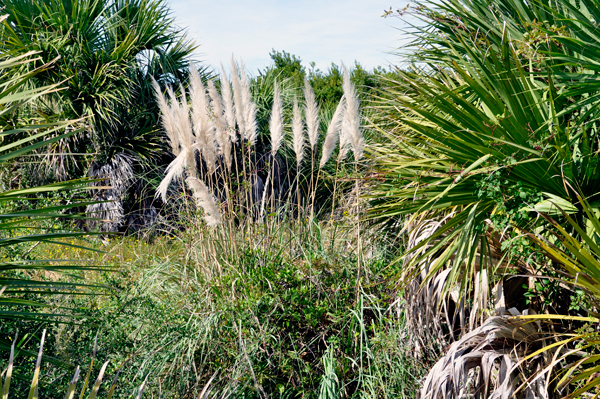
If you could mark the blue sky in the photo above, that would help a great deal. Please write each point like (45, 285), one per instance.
(322, 31)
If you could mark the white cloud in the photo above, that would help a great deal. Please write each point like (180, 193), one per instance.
(322, 31)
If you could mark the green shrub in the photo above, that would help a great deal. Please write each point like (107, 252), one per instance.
(267, 308)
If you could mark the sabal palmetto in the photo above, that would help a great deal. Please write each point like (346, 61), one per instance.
(500, 107)
(576, 251)
(537, 351)
(108, 52)
(21, 226)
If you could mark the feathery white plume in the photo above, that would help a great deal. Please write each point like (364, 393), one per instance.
(351, 121)
(298, 133)
(167, 117)
(203, 129)
(249, 108)
(333, 131)
(216, 105)
(228, 104)
(205, 200)
(344, 142)
(251, 124)
(221, 132)
(199, 101)
(174, 170)
(276, 122)
(184, 126)
(237, 97)
(312, 115)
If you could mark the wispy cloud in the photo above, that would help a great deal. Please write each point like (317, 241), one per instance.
(320, 31)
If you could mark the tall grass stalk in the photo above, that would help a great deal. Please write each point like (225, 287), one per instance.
(240, 115)
(351, 129)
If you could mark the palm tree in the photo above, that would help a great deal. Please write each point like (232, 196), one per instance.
(107, 53)
(497, 113)
(22, 226)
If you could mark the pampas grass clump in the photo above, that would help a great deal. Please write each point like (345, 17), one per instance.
(210, 124)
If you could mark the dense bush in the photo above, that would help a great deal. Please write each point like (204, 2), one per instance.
(264, 309)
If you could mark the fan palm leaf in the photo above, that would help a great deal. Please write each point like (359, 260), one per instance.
(18, 290)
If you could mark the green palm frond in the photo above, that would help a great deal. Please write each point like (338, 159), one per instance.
(478, 110)
(6, 376)
(20, 292)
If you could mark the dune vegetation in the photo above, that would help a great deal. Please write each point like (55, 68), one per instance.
(170, 229)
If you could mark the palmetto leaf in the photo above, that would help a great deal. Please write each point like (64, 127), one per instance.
(474, 107)
(17, 291)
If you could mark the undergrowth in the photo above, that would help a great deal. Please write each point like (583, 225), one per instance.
(256, 310)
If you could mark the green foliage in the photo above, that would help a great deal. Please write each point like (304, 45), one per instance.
(272, 311)
(478, 134)
(72, 388)
(105, 53)
(22, 288)
(496, 121)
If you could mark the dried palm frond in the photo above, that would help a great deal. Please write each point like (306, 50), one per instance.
(312, 115)
(333, 132)
(434, 314)
(117, 174)
(489, 362)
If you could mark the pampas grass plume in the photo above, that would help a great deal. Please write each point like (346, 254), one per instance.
(351, 121)
(174, 171)
(205, 200)
(250, 132)
(205, 138)
(312, 115)
(216, 105)
(200, 115)
(227, 96)
(221, 132)
(333, 132)
(167, 118)
(276, 122)
(181, 113)
(237, 97)
(251, 124)
(298, 133)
